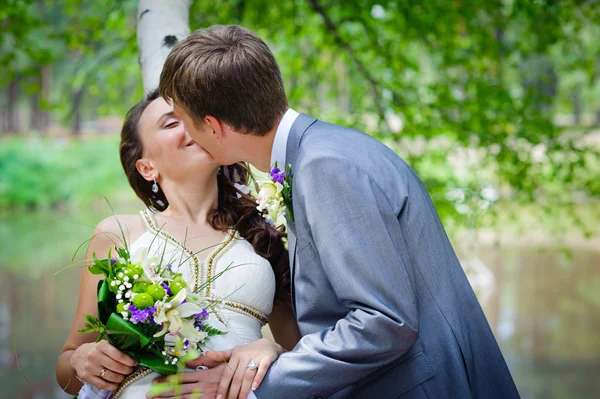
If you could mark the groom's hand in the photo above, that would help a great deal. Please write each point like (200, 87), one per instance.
(205, 361)
(192, 384)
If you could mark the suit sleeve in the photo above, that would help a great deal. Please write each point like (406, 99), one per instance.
(356, 232)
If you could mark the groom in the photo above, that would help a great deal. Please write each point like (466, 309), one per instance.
(381, 300)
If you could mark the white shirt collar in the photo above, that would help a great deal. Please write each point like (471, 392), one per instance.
(278, 153)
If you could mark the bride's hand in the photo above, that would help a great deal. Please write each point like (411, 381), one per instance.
(101, 364)
(238, 378)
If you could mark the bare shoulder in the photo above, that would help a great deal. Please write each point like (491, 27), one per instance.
(115, 227)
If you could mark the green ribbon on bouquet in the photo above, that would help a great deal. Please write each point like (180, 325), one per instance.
(127, 337)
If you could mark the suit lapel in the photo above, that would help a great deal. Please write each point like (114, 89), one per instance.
(291, 238)
(301, 124)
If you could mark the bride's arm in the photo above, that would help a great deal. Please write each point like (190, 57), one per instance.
(283, 325)
(81, 355)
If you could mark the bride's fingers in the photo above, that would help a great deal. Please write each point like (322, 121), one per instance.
(111, 376)
(115, 354)
(246, 383)
(262, 371)
(222, 356)
(238, 378)
(113, 365)
(226, 377)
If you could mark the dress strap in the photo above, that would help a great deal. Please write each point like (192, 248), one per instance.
(148, 219)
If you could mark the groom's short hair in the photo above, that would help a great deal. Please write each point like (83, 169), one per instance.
(227, 72)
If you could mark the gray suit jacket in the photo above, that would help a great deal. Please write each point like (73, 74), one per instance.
(383, 305)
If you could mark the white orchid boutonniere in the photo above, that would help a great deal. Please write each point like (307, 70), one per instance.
(275, 196)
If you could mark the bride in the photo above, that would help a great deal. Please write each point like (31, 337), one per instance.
(194, 203)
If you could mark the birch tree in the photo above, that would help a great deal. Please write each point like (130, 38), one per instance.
(160, 25)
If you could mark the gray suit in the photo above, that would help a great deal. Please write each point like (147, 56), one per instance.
(383, 305)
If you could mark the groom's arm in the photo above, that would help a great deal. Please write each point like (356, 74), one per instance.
(356, 230)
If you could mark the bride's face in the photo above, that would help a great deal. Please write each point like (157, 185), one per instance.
(168, 148)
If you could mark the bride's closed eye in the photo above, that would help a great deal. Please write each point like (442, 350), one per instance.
(172, 123)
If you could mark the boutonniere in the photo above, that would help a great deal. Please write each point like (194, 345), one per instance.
(275, 196)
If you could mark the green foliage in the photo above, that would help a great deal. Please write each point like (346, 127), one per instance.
(93, 325)
(46, 173)
(490, 78)
(211, 331)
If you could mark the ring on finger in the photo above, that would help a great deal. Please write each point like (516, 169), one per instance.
(102, 373)
(252, 365)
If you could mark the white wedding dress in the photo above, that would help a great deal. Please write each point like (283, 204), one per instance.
(244, 294)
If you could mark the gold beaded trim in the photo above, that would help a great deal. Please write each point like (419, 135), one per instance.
(214, 258)
(132, 378)
(240, 308)
(153, 227)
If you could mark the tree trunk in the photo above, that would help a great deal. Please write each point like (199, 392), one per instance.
(40, 119)
(598, 78)
(577, 105)
(160, 25)
(34, 115)
(540, 83)
(45, 83)
(77, 97)
(12, 108)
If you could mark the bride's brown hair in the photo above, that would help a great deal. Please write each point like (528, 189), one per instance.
(235, 209)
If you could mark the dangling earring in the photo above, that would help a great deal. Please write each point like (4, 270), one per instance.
(155, 186)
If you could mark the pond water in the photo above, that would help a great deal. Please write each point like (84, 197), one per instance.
(544, 307)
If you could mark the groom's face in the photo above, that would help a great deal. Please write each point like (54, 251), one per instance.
(205, 136)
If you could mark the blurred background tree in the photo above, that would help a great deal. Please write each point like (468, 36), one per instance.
(487, 100)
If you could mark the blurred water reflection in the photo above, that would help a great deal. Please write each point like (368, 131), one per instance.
(544, 310)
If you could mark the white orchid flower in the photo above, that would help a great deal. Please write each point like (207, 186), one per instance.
(148, 263)
(172, 316)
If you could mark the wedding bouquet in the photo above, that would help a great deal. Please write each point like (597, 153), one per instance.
(147, 311)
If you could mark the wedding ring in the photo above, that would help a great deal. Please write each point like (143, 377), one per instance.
(201, 368)
(102, 373)
(252, 365)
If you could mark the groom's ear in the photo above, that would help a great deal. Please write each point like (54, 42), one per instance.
(146, 169)
(218, 128)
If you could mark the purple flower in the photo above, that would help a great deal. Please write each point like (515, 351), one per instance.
(278, 176)
(142, 315)
(200, 317)
(113, 261)
(167, 288)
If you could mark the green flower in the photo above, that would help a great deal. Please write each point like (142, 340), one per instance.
(177, 286)
(157, 292)
(121, 308)
(143, 301)
(140, 287)
(133, 270)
